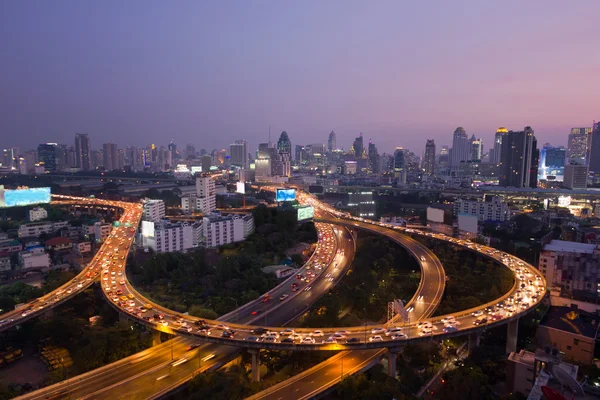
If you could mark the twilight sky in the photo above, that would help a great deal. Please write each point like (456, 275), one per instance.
(209, 72)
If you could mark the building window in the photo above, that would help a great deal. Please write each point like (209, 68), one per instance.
(568, 347)
(576, 342)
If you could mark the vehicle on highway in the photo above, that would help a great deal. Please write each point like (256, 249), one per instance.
(376, 338)
(251, 339)
(329, 340)
(288, 340)
(450, 328)
(377, 330)
(259, 331)
(426, 331)
(266, 298)
(283, 297)
(447, 319)
(477, 313)
(308, 340)
(256, 312)
(422, 258)
(393, 331)
(480, 321)
(317, 333)
(398, 336)
(308, 288)
(193, 346)
(270, 339)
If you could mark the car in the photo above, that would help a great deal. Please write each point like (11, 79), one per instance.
(193, 346)
(270, 339)
(283, 297)
(377, 330)
(272, 334)
(159, 316)
(259, 331)
(393, 331)
(496, 317)
(447, 319)
(450, 328)
(329, 340)
(308, 340)
(376, 338)
(199, 322)
(251, 339)
(288, 340)
(338, 336)
(256, 312)
(398, 336)
(222, 326)
(317, 333)
(287, 331)
(480, 321)
(204, 331)
(164, 323)
(422, 258)
(477, 313)
(353, 341)
(227, 335)
(426, 331)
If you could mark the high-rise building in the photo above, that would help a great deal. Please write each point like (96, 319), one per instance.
(496, 151)
(361, 204)
(576, 176)
(239, 154)
(461, 148)
(154, 210)
(518, 155)
(284, 147)
(47, 156)
(476, 149)
(400, 165)
(444, 157)
(10, 156)
(594, 149)
(219, 156)
(331, 142)
(552, 163)
(173, 151)
(429, 157)
(83, 152)
(373, 158)
(110, 153)
(577, 148)
(357, 147)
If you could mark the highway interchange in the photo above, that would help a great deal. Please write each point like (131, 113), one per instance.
(115, 285)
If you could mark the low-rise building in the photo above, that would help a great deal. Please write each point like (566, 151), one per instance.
(219, 230)
(102, 230)
(34, 258)
(37, 214)
(492, 208)
(73, 232)
(165, 236)
(154, 210)
(58, 243)
(10, 246)
(35, 229)
(571, 265)
(191, 203)
(5, 264)
(572, 331)
(83, 247)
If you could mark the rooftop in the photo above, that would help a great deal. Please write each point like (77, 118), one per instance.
(55, 241)
(571, 247)
(572, 320)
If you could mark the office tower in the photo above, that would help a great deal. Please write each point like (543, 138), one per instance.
(429, 157)
(552, 163)
(173, 151)
(400, 165)
(594, 149)
(373, 158)
(331, 142)
(496, 151)
(71, 157)
(576, 176)
(461, 148)
(357, 147)
(190, 151)
(301, 156)
(206, 162)
(534, 164)
(284, 147)
(31, 158)
(219, 156)
(518, 155)
(362, 204)
(238, 152)
(61, 151)
(110, 154)
(476, 148)
(97, 158)
(47, 156)
(203, 152)
(10, 157)
(83, 152)
(444, 157)
(577, 148)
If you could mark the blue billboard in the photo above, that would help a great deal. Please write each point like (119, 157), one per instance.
(285, 195)
(23, 197)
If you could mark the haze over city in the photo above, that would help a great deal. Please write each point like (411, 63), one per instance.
(209, 73)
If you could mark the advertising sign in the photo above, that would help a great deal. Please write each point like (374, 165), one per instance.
(435, 215)
(285, 195)
(306, 213)
(240, 187)
(23, 197)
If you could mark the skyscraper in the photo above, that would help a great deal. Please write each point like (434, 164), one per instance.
(594, 149)
(10, 156)
(552, 163)
(373, 158)
(284, 147)
(519, 159)
(173, 150)
(444, 157)
(239, 153)
(577, 148)
(357, 147)
(496, 151)
(476, 148)
(110, 154)
(331, 142)
(400, 165)
(47, 155)
(83, 151)
(461, 148)
(429, 157)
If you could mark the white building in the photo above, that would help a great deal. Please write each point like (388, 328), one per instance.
(83, 247)
(219, 230)
(204, 200)
(493, 210)
(164, 236)
(35, 229)
(35, 257)
(37, 214)
(154, 210)
(102, 230)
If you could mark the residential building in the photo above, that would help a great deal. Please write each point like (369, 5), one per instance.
(34, 258)
(577, 146)
(575, 176)
(110, 153)
(83, 152)
(35, 229)
(165, 236)
(373, 158)
(219, 230)
(239, 154)
(572, 331)
(153, 210)
(461, 148)
(571, 266)
(496, 151)
(519, 159)
(204, 200)
(594, 149)
(429, 157)
(492, 208)
(37, 214)
(58, 243)
(83, 247)
(361, 204)
(400, 170)
(102, 231)
(476, 148)
(5, 264)
(10, 246)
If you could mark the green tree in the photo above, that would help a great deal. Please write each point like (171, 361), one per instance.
(467, 383)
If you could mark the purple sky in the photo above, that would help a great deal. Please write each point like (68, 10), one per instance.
(209, 72)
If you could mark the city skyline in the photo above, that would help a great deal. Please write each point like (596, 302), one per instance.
(396, 84)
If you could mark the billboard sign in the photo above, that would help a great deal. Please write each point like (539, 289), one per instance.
(285, 195)
(316, 189)
(435, 215)
(23, 197)
(468, 223)
(306, 213)
(147, 229)
(240, 187)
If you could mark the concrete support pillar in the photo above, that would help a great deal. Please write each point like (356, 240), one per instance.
(511, 336)
(255, 365)
(156, 339)
(391, 360)
(473, 341)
